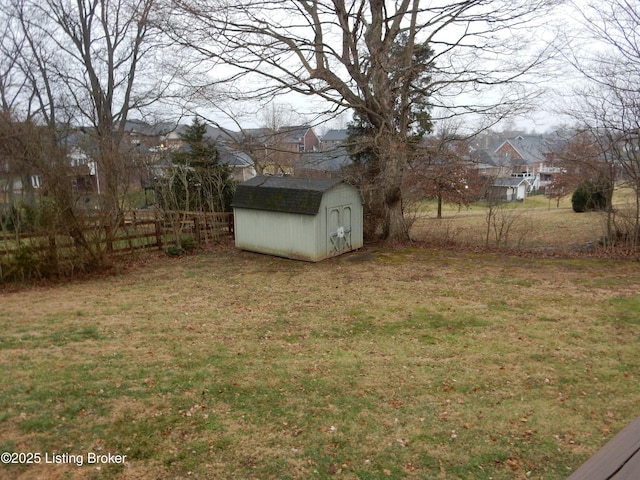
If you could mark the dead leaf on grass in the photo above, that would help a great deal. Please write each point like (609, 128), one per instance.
(513, 464)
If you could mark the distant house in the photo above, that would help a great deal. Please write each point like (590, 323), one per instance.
(299, 138)
(266, 148)
(13, 186)
(158, 169)
(334, 139)
(546, 176)
(298, 218)
(173, 139)
(85, 171)
(509, 189)
(526, 154)
(524, 150)
(529, 157)
(140, 133)
(270, 151)
(241, 164)
(325, 164)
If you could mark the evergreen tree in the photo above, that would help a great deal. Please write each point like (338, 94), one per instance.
(200, 151)
(198, 181)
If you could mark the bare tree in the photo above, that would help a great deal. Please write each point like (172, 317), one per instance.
(443, 170)
(608, 103)
(106, 41)
(388, 62)
(83, 62)
(77, 72)
(276, 116)
(578, 158)
(502, 218)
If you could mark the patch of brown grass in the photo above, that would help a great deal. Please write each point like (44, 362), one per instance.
(535, 225)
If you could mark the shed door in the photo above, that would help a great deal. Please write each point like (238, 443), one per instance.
(338, 230)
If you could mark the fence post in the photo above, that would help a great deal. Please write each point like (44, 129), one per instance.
(108, 231)
(52, 243)
(53, 254)
(196, 228)
(207, 228)
(158, 233)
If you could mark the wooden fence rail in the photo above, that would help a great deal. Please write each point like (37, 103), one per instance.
(138, 230)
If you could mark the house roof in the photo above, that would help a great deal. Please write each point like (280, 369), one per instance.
(336, 135)
(531, 148)
(510, 182)
(283, 194)
(294, 133)
(330, 160)
(143, 128)
(212, 133)
(234, 158)
(254, 135)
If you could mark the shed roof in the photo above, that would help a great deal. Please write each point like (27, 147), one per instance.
(510, 182)
(283, 194)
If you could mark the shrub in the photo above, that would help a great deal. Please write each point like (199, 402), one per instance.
(9, 220)
(186, 245)
(579, 199)
(592, 195)
(27, 263)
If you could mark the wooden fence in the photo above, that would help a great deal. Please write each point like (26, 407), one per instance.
(140, 229)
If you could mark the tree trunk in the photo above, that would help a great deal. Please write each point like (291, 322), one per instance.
(636, 220)
(395, 228)
(394, 158)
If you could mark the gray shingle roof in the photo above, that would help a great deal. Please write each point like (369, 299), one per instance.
(336, 135)
(283, 194)
(331, 160)
(509, 182)
(530, 147)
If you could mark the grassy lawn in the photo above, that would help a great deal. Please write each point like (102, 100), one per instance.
(537, 224)
(409, 363)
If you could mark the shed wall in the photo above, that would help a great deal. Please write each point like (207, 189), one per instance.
(282, 234)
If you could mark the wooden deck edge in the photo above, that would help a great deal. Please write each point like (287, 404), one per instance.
(618, 459)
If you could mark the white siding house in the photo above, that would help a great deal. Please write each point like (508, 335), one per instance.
(299, 218)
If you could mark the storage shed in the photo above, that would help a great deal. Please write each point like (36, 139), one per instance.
(510, 189)
(299, 218)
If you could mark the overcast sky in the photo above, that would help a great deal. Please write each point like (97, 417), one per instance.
(559, 82)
